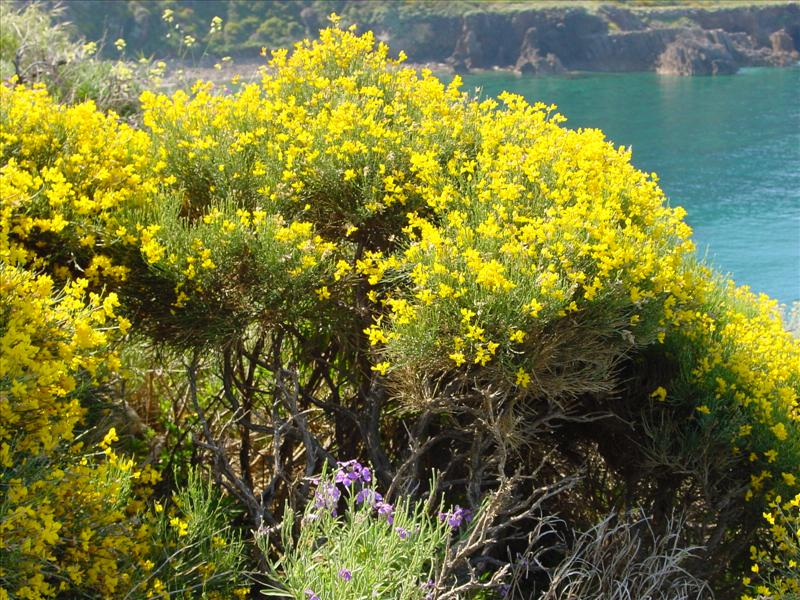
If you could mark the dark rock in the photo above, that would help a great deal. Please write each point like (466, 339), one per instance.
(567, 33)
(531, 61)
(625, 51)
(698, 52)
(783, 49)
(759, 22)
(428, 38)
(487, 40)
(782, 42)
(534, 40)
(467, 48)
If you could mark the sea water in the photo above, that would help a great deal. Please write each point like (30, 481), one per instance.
(725, 148)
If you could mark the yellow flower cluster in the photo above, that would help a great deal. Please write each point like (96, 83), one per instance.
(775, 570)
(749, 365)
(65, 515)
(45, 343)
(66, 171)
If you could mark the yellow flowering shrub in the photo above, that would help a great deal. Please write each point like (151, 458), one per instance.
(775, 569)
(390, 230)
(65, 518)
(73, 518)
(464, 239)
(65, 171)
(742, 365)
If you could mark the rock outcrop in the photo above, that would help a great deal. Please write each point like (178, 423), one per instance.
(783, 48)
(531, 61)
(683, 41)
(699, 52)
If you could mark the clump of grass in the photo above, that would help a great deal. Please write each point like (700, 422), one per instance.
(35, 49)
(623, 557)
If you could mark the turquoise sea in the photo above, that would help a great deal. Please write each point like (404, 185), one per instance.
(727, 149)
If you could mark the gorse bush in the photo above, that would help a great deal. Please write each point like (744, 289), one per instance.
(73, 515)
(63, 515)
(350, 258)
(775, 571)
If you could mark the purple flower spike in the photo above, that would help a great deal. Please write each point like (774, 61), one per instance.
(402, 532)
(311, 595)
(428, 587)
(326, 497)
(345, 574)
(456, 517)
(351, 472)
(387, 510)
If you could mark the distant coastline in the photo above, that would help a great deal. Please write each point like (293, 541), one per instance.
(546, 38)
(682, 37)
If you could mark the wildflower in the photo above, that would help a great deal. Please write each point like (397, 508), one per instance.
(402, 532)
(428, 587)
(456, 517)
(523, 379)
(351, 472)
(385, 510)
(311, 595)
(381, 367)
(327, 497)
(368, 495)
(345, 574)
(780, 431)
(458, 358)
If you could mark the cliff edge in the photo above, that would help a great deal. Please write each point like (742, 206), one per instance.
(533, 39)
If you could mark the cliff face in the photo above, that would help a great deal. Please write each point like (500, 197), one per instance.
(680, 41)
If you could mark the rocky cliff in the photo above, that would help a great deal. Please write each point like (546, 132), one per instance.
(683, 41)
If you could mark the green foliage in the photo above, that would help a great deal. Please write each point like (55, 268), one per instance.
(196, 550)
(370, 549)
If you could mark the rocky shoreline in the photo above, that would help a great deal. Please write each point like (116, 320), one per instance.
(531, 39)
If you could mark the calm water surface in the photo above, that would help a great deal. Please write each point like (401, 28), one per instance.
(727, 149)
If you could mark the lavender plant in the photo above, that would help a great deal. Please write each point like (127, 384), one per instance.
(352, 543)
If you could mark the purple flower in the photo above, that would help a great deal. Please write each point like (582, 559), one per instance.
(326, 497)
(402, 532)
(368, 495)
(345, 574)
(428, 587)
(311, 595)
(351, 472)
(456, 517)
(386, 510)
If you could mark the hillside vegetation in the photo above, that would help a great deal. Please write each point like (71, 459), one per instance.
(252, 24)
